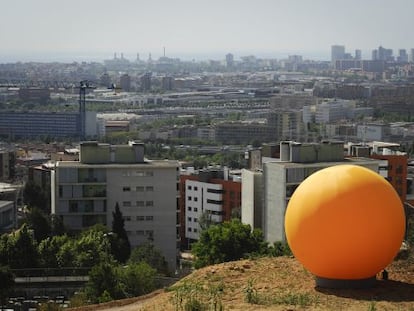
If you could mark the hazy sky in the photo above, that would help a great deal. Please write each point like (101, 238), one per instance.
(203, 26)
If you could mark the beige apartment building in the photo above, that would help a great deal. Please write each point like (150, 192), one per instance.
(85, 192)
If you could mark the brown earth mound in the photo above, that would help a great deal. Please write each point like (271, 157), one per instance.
(273, 284)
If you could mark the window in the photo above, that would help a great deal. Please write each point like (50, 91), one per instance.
(149, 234)
(140, 203)
(149, 218)
(195, 199)
(126, 203)
(189, 187)
(149, 203)
(60, 191)
(189, 198)
(189, 229)
(127, 218)
(195, 230)
(139, 188)
(189, 209)
(140, 218)
(126, 188)
(73, 207)
(149, 188)
(195, 209)
(189, 218)
(214, 202)
(195, 219)
(195, 188)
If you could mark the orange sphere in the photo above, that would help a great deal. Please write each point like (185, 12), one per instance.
(345, 222)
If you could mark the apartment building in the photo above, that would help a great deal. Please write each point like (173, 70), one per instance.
(273, 186)
(85, 192)
(7, 165)
(212, 193)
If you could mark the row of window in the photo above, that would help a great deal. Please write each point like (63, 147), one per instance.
(195, 209)
(189, 229)
(189, 198)
(194, 219)
(138, 188)
(191, 188)
(148, 233)
(139, 218)
(138, 203)
(138, 173)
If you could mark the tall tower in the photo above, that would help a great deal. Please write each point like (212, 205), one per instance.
(337, 53)
(358, 54)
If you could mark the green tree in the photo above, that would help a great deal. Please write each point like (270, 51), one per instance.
(121, 248)
(49, 249)
(149, 254)
(138, 279)
(103, 277)
(34, 196)
(6, 284)
(92, 247)
(228, 241)
(39, 223)
(23, 249)
(57, 226)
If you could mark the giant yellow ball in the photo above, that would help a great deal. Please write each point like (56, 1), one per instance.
(345, 222)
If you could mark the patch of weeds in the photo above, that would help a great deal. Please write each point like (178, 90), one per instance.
(250, 293)
(294, 299)
(193, 296)
(372, 306)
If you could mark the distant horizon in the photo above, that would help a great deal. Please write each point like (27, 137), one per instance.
(197, 56)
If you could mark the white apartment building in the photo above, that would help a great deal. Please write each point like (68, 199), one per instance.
(202, 197)
(332, 111)
(280, 178)
(85, 193)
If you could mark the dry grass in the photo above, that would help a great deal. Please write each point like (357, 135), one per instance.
(276, 284)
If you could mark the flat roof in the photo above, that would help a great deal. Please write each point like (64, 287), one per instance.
(351, 160)
(147, 163)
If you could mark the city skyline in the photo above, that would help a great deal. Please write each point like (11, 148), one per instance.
(94, 30)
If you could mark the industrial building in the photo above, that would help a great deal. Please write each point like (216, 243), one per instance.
(46, 124)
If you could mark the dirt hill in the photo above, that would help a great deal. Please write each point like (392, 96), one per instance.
(273, 284)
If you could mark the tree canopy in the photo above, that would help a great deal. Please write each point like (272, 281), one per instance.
(149, 254)
(121, 248)
(231, 240)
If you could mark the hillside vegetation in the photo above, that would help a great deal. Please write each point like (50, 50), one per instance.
(279, 283)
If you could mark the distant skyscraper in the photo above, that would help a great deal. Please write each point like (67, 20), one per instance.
(412, 56)
(374, 54)
(402, 56)
(337, 53)
(385, 54)
(358, 54)
(125, 82)
(146, 82)
(229, 60)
